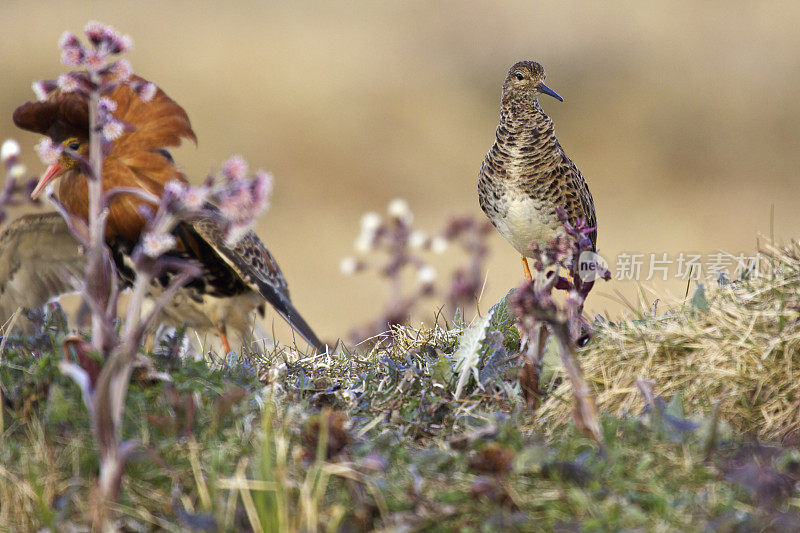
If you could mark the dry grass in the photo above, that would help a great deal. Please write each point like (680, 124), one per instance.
(742, 352)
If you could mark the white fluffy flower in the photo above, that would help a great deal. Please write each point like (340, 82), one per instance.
(348, 265)
(439, 245)
(365, 242)
(18, 171)
(370, 221)
(417, 239)
(426, 275)
(9, 150)
(399, 209)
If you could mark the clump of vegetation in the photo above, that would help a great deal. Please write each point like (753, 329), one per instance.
(734, 348)
(365, 441)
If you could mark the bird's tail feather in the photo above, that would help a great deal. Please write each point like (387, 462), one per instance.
(302, 328)
(284, 307)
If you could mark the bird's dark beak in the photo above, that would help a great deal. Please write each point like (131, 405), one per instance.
(52, 172)
(548, 91)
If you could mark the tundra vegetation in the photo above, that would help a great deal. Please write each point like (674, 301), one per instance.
(524, 416)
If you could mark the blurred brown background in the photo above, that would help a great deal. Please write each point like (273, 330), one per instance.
(684, 116)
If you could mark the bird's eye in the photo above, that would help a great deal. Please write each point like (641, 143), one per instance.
(519, 76)
(166, 154)
(74, 145)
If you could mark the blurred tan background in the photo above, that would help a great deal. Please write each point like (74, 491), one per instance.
(683, 116)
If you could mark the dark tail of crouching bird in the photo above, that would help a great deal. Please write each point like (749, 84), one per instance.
(284, 307)
(256, 267)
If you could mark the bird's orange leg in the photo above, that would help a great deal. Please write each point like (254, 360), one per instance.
(526, 269)
(224, 338)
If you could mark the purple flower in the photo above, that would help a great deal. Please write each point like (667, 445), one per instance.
(43, 88)
(235, 204)
(235, 234)
(146, 91)
(228, 206)
(95, 31)
(174, 191)
(106, 105)
(261, 190)
(48, 151)
(113, 130)
(72, 57)
(68, 40)
(195, 198)
(122, 70)
(68, 83)
(235, 168)
(95, 60)
(156, 244)
(118, 44)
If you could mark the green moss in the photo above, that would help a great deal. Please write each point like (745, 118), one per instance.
(406, 453)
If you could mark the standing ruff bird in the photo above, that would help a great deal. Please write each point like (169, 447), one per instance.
(526, 175)
(234, 281)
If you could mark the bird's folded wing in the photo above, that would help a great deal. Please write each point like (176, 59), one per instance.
(253, 263)
(38, 257)
(583, 205)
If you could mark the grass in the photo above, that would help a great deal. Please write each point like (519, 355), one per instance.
(735, 346)
(376, 439)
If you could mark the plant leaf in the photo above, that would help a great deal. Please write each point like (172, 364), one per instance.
(699, 300)
(467, 356)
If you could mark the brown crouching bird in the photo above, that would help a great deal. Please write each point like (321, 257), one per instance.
(234, 281)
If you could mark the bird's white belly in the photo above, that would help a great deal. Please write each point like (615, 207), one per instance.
(526, 223)
(209, 314)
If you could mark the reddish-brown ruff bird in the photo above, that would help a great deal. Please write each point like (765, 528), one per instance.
(234, 280)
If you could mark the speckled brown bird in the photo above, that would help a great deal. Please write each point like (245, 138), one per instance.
(526, 175)
(234, 280)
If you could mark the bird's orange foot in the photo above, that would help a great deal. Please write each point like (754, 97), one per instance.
(526, 269)
(224, 338)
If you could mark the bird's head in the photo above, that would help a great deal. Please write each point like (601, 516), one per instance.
(524, 82)
(65, 163)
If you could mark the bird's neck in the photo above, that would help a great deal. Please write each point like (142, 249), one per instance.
(124, 218)
(526, 128)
